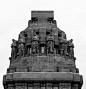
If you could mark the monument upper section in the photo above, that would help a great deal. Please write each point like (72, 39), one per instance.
(42, 57)
(42, 42)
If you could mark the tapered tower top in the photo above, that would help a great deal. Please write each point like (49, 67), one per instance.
(42, 14)
(42, 57)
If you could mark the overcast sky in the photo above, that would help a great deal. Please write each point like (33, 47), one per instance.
(70, 16)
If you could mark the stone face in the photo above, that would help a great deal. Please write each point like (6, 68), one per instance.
(42, 57)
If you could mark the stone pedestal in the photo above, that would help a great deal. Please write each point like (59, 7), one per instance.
(36, 85)
(11, 86)
(56, 86)
(49, 86)
(43, 80)
(30, 86)
(42, 86)
(64, 85)
(75, 86)
(5, 87)
(20, 86)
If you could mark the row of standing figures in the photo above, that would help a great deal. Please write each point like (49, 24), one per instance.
(64, 48)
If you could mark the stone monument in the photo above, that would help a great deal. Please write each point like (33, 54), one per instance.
(42, 57)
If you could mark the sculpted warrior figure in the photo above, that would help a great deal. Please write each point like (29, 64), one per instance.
(50, 44)
(71, 48)
(14, 49)
(28, 44)
(21, 51)
(34, 45)
(50, 47)
(22, 37)
(63, 43)
(21, 44)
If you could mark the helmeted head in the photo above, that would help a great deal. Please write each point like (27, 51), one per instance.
(71, 40)
(13, 40)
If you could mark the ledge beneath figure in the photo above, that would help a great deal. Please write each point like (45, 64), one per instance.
(43, 76)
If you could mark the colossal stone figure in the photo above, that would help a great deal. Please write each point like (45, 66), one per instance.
(21, 49)
(28, 46)
(14, 49)
(34, 45)
(22, 37)
(50, 44)
(63, 43)
(71, 48)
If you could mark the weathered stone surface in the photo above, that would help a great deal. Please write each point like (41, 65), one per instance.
(42, 57)
(41, 76)
(30, 86)
(11, 86)
(20, 85)
(43, 63)
(64, 85)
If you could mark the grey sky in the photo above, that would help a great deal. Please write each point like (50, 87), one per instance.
(70, 16)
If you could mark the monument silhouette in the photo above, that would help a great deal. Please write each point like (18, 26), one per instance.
(42, 57)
